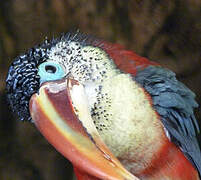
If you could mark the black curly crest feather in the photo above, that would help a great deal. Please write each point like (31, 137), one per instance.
(22, 80)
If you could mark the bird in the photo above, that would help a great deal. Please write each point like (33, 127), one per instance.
(112, 113)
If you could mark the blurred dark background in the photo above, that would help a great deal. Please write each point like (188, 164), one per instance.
(166, 31)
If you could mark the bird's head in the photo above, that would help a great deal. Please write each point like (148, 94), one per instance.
(57, 86)
(72, 55)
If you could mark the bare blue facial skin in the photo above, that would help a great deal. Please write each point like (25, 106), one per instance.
(50, 71)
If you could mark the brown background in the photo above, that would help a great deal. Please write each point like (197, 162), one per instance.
(167, 31)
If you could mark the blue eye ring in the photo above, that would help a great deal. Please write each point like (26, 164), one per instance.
(50, 71)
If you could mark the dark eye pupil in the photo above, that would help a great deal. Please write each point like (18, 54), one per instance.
(50, 69)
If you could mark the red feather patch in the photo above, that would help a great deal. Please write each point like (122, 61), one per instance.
(126, 61)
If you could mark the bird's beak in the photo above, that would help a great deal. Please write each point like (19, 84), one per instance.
(61, 113)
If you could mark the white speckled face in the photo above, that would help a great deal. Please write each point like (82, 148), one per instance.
(89, 65)
(83, 63)
(66, 54)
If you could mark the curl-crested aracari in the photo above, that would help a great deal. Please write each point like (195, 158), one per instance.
(113, 114)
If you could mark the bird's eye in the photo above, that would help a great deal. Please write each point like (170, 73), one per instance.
(50, 71)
